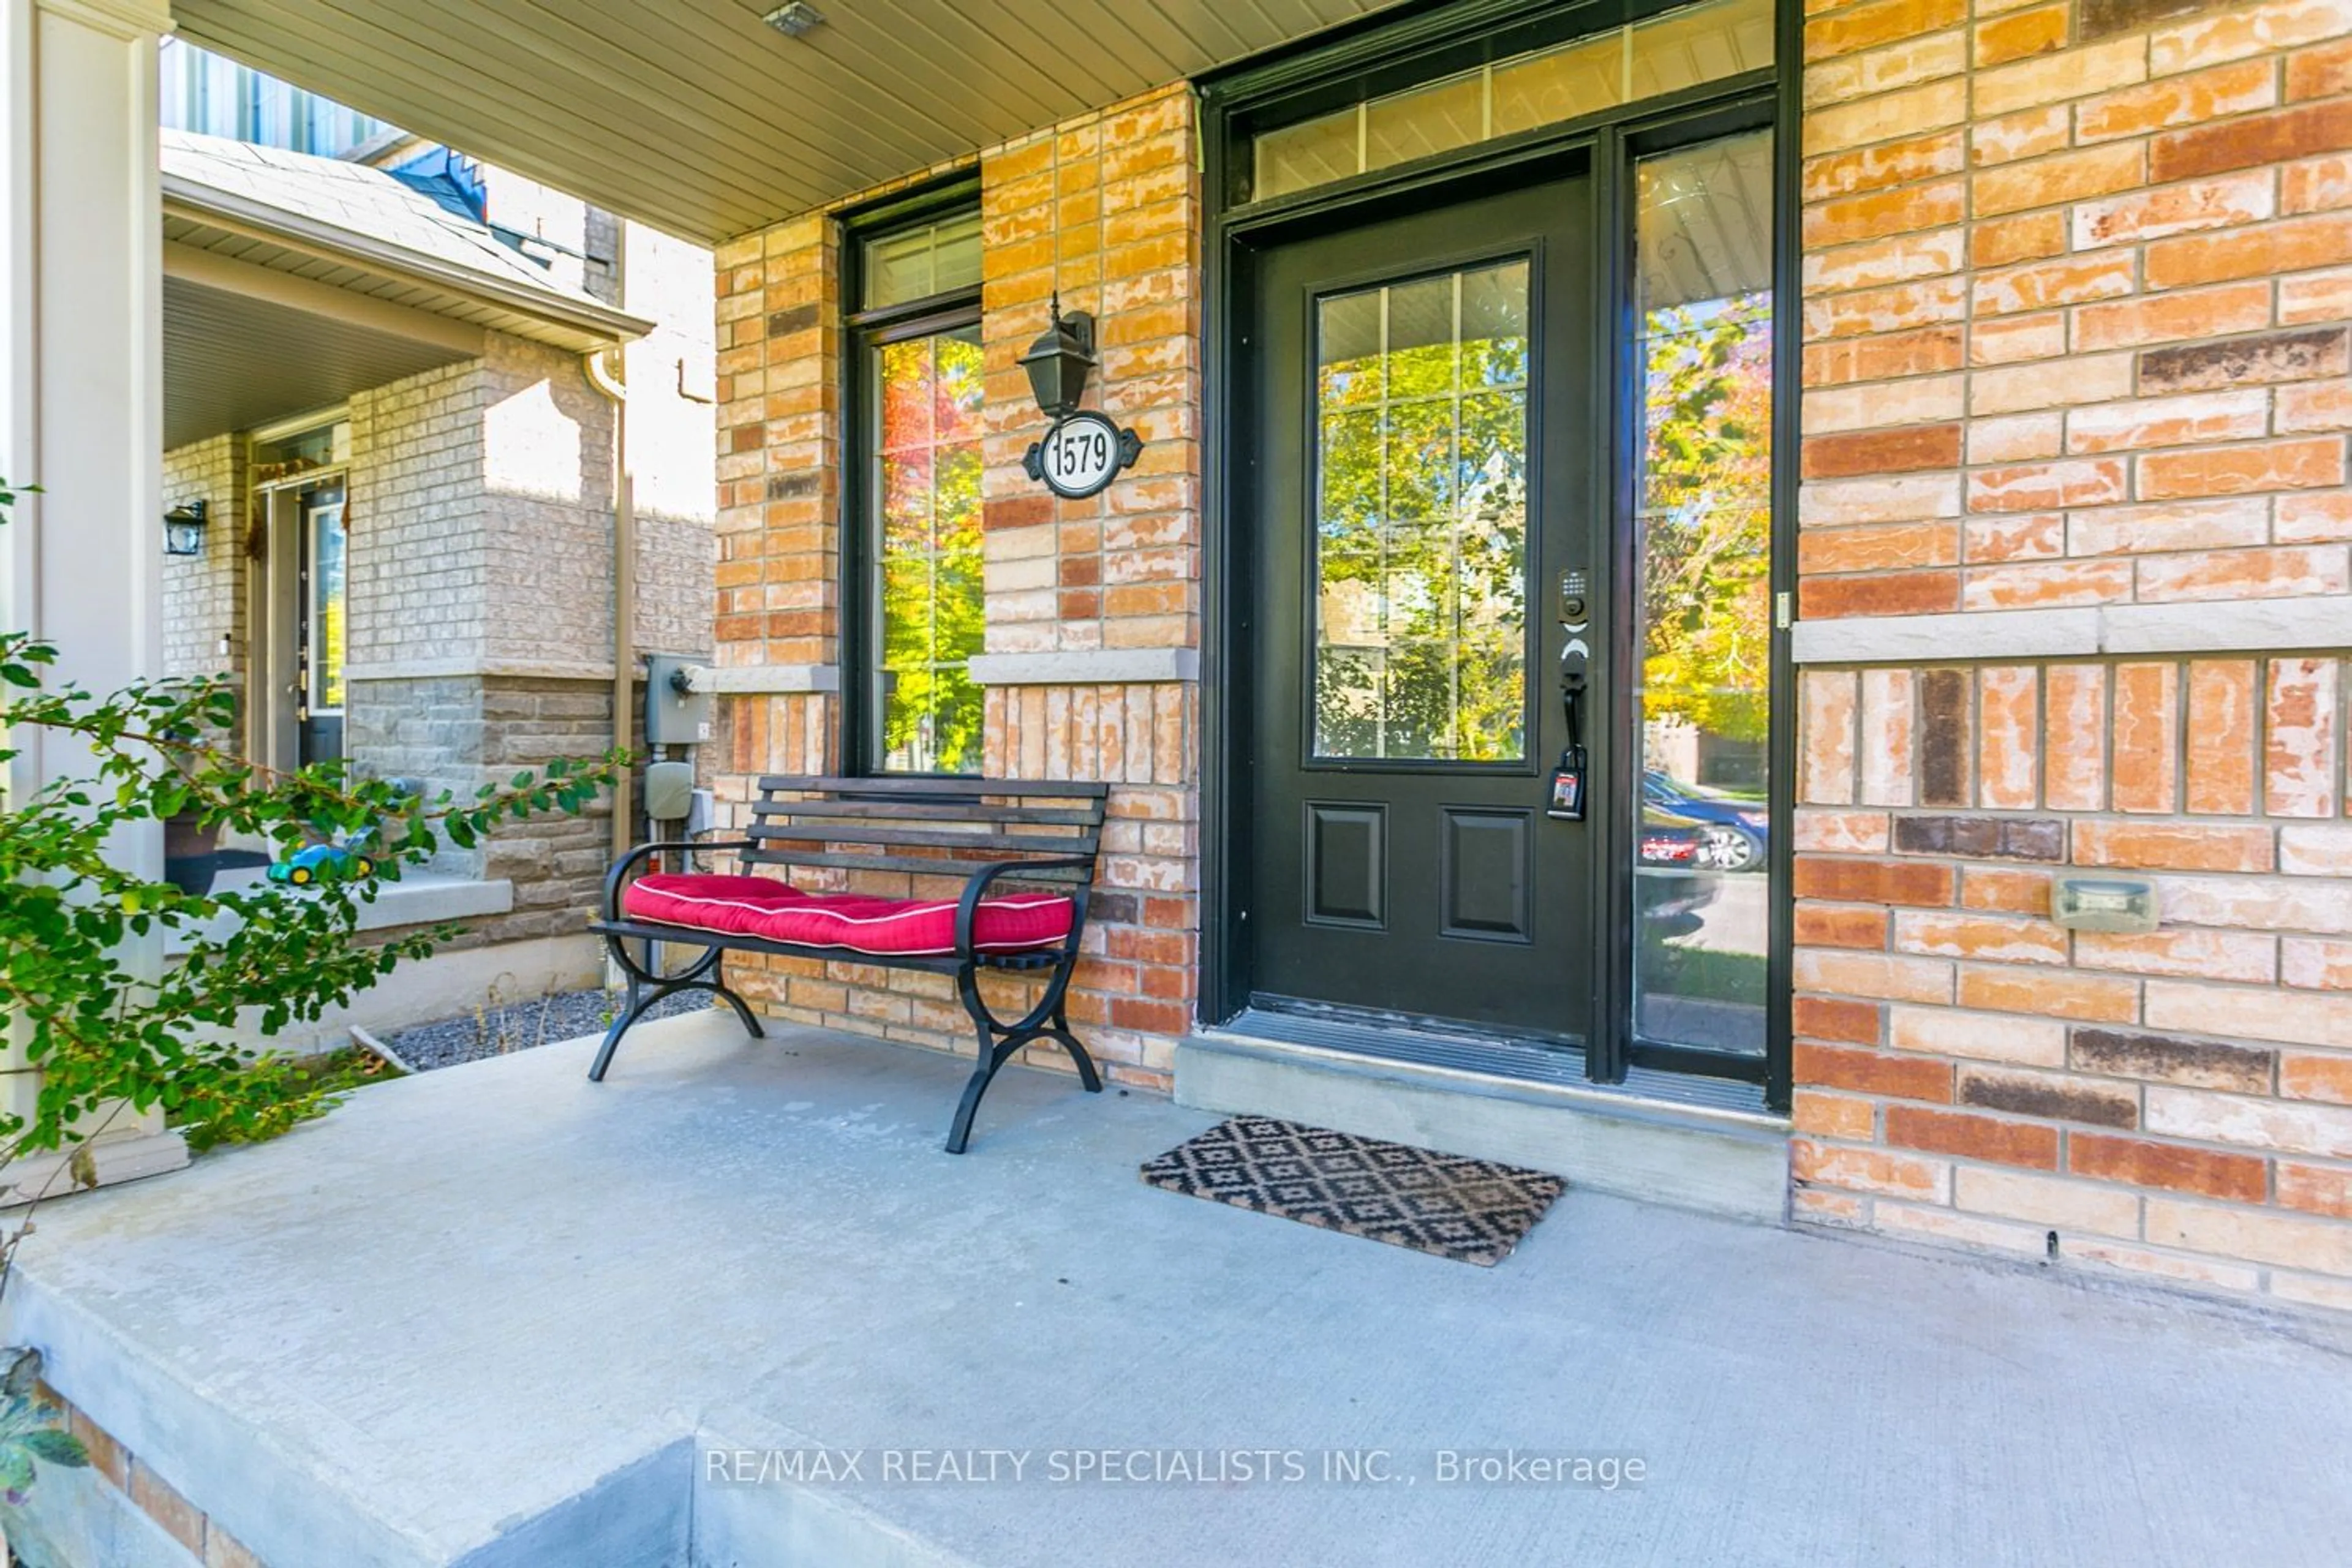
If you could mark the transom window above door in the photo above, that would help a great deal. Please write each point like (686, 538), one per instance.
(1601, 71)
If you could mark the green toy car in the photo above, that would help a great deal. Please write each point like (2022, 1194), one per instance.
(320, 860)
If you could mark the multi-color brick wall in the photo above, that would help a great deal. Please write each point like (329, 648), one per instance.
(2075, 587)
(1104, 209)
(2074, 600)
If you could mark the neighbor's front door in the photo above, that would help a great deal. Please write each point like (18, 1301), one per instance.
(1427, 518)
(321, 624)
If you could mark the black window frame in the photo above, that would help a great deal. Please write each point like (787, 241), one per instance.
(865, 331)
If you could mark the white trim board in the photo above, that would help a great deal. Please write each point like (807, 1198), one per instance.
(2243, 626)
(1089, 667)
(487, 668)
(760, 679)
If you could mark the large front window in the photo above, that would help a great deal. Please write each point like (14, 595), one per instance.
(926, 469)
(918, 582)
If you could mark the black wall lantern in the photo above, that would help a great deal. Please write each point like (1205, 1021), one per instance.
(184, 529)
(1083, 452)
(1059, 362)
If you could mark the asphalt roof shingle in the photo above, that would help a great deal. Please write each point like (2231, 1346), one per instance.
(363, 201)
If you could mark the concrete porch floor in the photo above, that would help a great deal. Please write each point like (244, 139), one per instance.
(497, 1315)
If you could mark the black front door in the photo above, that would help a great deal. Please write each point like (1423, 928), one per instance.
(1425, 550)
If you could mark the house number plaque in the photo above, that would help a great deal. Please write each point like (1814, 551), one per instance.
(1081, 455)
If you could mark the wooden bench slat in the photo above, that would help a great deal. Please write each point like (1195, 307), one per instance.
(838, 832)
(959, 869)
(932, 784)
(929, 811)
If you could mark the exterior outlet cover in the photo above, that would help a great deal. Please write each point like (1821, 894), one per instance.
(675, 715)
(2104, 904)
(669, 791)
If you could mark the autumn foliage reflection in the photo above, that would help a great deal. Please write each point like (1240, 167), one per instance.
(930, 548)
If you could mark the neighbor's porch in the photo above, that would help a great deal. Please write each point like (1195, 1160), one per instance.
(332, 1350)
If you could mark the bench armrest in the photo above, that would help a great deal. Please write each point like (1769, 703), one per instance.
(618, 877)
(968, 907)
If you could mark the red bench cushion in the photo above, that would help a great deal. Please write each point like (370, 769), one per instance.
(765, 908)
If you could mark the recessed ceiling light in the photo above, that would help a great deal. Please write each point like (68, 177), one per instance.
(794, 18)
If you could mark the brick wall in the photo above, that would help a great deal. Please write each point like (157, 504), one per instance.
(427, 728)
(2075, 318)
(203, 595)
(547, 512)
(206, 1539)
(2177, 1102)
(1104, 208)
(419, 570)
(555, 862)
(2077, 278)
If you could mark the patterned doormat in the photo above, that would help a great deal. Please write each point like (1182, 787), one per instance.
(1475, 1210)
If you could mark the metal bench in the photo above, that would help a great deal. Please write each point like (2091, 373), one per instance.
(841, 837)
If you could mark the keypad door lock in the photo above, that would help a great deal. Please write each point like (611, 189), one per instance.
(1573, 590)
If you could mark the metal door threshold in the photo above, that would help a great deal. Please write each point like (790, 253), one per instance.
(1495, 1056)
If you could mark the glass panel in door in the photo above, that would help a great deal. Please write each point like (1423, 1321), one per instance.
(324, 620)
(1702, 708)
(1422, 519)
(324, 655)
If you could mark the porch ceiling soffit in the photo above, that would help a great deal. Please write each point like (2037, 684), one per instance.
(234, 359)
(696, 118)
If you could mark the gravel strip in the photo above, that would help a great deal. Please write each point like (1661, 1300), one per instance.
(519, 1026)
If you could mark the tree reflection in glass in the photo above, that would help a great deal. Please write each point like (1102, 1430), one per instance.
(1421, 519)
(928, 546)
(1704, 551)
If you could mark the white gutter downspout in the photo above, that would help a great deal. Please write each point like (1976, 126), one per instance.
(603, 377)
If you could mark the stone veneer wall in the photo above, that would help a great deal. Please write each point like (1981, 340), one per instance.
(2076, 283)
(457, 733)
(1105, 207)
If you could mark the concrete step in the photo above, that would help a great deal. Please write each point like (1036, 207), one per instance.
(1718, 1160)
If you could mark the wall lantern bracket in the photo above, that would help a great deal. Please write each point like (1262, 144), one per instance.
(1083, 452)
(183, 528)
(1060, 361)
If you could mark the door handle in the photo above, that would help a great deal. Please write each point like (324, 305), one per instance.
(1566, 798)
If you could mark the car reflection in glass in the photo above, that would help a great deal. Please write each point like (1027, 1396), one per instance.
(1669, 906)
(1732, 832)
